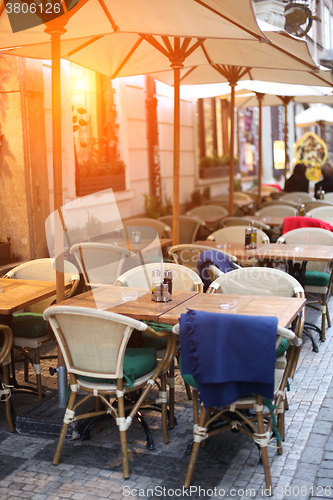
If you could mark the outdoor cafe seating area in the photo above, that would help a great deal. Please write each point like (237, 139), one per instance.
(122, 334)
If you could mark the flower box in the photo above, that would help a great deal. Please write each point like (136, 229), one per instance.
(89, 185)
(212, 172)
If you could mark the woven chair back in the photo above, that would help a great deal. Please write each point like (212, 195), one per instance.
(323, 213)
(163, 230)
(183, 278)
(297, 196)
(92, 342)
(188, 227)
(310, 205)
(100, 263)
(309, 236)
(235, 234)
(277, 211)
(188, 255)
(258, 281)
(243, 221)
(44, 270)
(207, 210)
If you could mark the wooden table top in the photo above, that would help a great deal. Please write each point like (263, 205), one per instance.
(143, 308)
(18, 294)
(271, 221)
(275, 251)
(284, 308)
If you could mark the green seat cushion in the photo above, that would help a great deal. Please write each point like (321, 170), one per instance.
(282, 348)
(29, 325)
(316, 278)
(188, 379)
(148, 341)
(137, 362)
(153, 342)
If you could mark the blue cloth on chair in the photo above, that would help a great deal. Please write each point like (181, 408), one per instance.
(209, 257)
(228, 355)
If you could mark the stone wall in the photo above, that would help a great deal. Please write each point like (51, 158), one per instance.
(23, 170)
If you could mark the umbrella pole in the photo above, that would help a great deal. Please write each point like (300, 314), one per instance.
(176, 156)
(57, 195)
(232, 132)
(285, 100)
(260, 98)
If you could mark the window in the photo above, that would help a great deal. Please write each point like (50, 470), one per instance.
(212, 121)
(95, 131)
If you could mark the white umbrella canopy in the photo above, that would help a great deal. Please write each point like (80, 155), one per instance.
(315, 115)
(89, 20)
(139, 40)
(214, 60)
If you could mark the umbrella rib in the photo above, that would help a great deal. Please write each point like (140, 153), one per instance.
(2, 8)
(108, 15)
(150, 39)
(124, 61)
(258, 37)
(84, 45)
(198, 43)
(188, 72)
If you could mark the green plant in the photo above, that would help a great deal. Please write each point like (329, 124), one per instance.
(154, 208)
(216, 161)
(206, 194)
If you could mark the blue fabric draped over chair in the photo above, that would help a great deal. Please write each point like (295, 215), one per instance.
(215, 258)
(228, 355)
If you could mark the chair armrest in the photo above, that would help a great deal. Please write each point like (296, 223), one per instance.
(8, 342)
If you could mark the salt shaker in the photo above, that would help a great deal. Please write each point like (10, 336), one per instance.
(156, 280)
(165, 292)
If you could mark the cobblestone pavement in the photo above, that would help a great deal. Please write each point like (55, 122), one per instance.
(226, 468)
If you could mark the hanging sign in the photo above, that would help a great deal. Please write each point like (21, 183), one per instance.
(312, 151)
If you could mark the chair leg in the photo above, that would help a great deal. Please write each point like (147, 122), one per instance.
(164, 408)
(195, 449)
(26, 368)
(38, 374)
(328, 316)
(9, 417)
(171, 383)
(123, 440)
(263, 450)
(64, 428)
(323, 308)
(188, 391)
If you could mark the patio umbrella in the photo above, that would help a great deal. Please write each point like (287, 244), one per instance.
(265, 63)
(227, 19)
(320, 114)
(231, 19)
(258, 94)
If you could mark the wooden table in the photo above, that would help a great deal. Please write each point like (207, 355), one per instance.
(271, 221)
(275, 251)
(18, 294)
(110, 298)
(284, 308)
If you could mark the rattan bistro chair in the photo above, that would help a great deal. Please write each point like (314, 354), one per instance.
(5, 350)
(188, 255)
(29, 327)
(183, 278)
(323, 213)
(94, 347)
(297, 196)
(163, 230)
(188, 227)
(252, 354)
(318, 275)
(277, 211)
(100, 263)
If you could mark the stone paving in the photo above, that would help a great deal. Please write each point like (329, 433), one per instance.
(226, 468)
